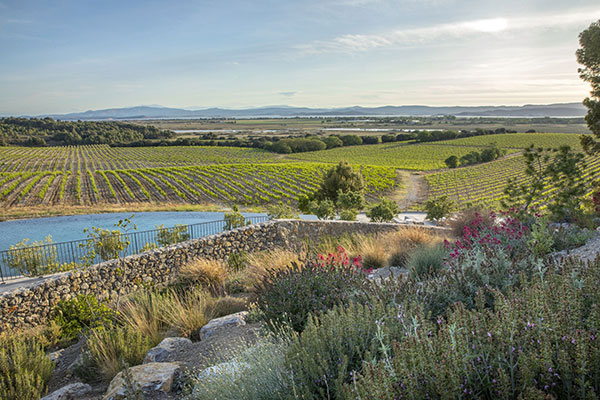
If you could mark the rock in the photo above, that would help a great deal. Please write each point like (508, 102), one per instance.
(230, 368)
(165, 348)
(54, 356)
(70, 392)
(236, 319)
(386, 272)
(147, 378)
(77, 363)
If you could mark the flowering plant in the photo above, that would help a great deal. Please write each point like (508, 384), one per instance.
(341, 260)
(506, 232)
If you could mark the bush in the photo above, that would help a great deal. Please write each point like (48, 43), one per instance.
(110, 350)
(24, 368)
(234, 219)
(281, 211)
(468, 217)
(33, 259)
(539, 341)
(334, 347)
(262, 376)
(286, 297)
(333, 142)
(384, 211)
(81, 313)
(348, 215)
(351, 140)
(438, 208)
(105, 243)
(570, 237)
(451, 162)
(166, 236)
(541, 241)
(426, 261)
(186, 313)
(340, 179)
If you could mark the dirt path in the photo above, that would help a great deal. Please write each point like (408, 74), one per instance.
(413, 190)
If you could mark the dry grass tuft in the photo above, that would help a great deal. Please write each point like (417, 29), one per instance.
(259, 263)
(187, 313)
(229, 305)
(207, 273)
(142, 312)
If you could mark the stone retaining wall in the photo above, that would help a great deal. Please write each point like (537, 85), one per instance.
(32, 304)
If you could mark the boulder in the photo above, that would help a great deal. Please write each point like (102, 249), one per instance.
(148, 378)
(165, 348)
(227, 321)
(70, 392)
(386, 272)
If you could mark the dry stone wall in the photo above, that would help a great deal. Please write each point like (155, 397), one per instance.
(32, 304)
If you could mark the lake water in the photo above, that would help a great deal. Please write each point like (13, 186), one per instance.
(71, 227)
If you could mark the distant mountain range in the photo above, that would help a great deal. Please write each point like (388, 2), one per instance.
(152, 112)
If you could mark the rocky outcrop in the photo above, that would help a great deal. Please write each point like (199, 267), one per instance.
(227, 321)
(166, 348)
(73, 391)
(145, 379)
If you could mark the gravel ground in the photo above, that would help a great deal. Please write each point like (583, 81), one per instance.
(587, 252)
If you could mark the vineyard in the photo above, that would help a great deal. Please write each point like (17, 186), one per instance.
(485, 183)
(88, 175)
(416, 157)
(519, 140)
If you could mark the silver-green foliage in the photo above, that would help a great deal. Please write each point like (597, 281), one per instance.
(260, 374)
(33, 259)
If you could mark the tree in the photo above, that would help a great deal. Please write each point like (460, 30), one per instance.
(438, 208)
(333, 141)
(563, 168)
(384, 211)
(589, 56)
(451, 162)
(342, 178)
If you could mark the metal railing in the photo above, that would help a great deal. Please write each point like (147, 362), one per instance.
(55, 257)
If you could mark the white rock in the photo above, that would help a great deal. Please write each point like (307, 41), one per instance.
(232, 320)
(148, 378)
(165, 348)
(70, 392)
(386, 272)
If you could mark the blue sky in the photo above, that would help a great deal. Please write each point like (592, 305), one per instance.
(64, 56)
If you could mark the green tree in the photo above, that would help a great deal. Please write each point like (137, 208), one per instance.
(234, 219)
(438, 208)
(340, 179)
(588, 55)
(384, 211)
(451, 162)
(166, 236)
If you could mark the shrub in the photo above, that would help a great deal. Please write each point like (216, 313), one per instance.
(259, 263)
(166, 236)
(340, 179)
(541, 241)
(237, 261)
(570, 237)
(110, 350)
(335, 346)
(286, 297)
(81, 313)
(351, 140)
(208, 273)
(24, 368)
(33, 259)
(467, 217)
(348, 215)
(384, 211)
(105, 243)
(438, 208)
(426, 260)
(262, 376)
(234, 219)
(333, 141)
(451, 162)
(281, 211)
(539, 341)
(374, 252)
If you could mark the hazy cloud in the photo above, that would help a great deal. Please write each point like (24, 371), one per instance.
(288, 94)
(407, 37)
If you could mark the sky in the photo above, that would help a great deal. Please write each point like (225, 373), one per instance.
(67, 56)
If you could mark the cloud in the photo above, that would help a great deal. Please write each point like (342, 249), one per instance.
(351, 43)
(288, 94)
